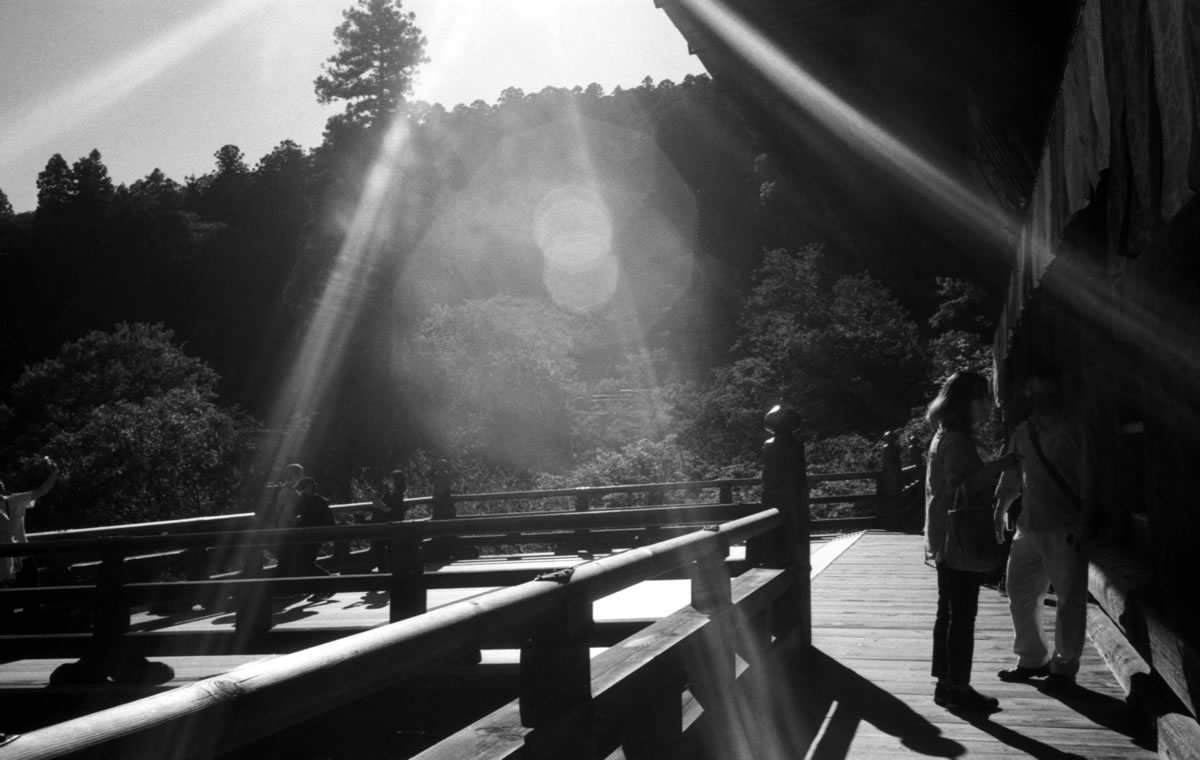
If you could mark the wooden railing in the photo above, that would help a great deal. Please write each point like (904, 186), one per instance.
(767, 609)
(128, 551)
(569, 704)
(583, 499)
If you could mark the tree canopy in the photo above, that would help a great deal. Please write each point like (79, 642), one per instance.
(726, 285)
(380, 49)
(135, 424)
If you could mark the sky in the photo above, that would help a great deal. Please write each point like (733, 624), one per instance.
(154, 84)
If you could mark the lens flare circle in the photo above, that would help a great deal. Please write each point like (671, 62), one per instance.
(573, 229)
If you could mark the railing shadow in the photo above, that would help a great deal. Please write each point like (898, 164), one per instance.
(1109, 712)
(1019, 741)
(834, 701)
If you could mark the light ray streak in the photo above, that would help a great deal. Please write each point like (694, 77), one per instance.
(453, 32)
(1088, 290)
(342, 298)
(846, 123)
(1166, 341)
(108, 86)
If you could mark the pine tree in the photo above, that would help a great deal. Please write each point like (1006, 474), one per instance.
(379, 50)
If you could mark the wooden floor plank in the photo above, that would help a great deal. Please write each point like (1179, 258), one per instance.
(873, 613)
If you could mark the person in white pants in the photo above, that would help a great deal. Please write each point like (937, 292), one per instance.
(1049, 547)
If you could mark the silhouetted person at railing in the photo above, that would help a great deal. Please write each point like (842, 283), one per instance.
(312, 511)
(13, 506)
(277, 510)
(385, 508)
(442, 507)
(963, 402)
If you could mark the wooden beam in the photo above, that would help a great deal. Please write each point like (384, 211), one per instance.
(623, 676)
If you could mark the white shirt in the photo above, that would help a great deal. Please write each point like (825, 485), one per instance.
(12, 530)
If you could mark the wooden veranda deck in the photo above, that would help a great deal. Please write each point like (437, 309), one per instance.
(863, 691)
(867, 692)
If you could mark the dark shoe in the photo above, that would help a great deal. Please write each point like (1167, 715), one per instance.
(940, 694)
(1021, 674)
(968, 700)
(1060, 681)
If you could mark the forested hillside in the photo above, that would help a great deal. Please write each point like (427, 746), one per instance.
(569, 284)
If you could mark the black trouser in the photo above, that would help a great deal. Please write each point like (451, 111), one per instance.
(379, 556)
(302, 561)
(954, 629)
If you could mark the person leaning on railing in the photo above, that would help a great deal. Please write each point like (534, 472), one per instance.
(312, 511)
(385, 508)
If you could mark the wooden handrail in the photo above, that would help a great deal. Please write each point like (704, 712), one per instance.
(831, 477)
(209, 523)
(525, 522)
(235, 521)
(605, 490)
(255, 700)
(224, 522)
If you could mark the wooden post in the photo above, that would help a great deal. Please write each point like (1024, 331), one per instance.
(441, 508)
(725, 494)
(195, 563)
(110, 619)
(711, 658)
(254, 610)
(556, 685)
(889, 502)
(407, 589)
(916, 454)
(710, 583)
(785, 487)
(581, 538)
(105, 657)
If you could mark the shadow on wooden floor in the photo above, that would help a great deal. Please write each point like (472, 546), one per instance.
(835, 700)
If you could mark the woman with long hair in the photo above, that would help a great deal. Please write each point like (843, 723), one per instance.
(962, 404)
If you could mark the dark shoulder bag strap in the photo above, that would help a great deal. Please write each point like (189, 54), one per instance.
(1059, 480)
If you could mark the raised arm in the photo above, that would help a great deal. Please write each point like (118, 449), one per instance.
(48, 484)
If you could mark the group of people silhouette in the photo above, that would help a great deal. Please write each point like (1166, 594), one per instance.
(294, 502)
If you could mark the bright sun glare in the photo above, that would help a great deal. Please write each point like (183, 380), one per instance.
(111, 83)
(536, 10)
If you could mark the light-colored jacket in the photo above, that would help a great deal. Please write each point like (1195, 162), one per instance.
(1044, 504)
(952, 459)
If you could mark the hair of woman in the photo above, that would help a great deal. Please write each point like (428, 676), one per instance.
(952, 407)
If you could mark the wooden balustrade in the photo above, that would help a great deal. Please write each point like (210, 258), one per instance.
(227, 711)
(633, 691)
(159, 541)
(113, 596)
(567, 700)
